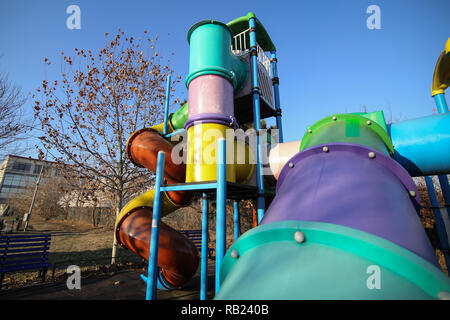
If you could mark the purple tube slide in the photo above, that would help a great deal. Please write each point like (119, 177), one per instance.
(354, 186)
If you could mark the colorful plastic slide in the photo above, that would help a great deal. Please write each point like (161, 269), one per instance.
(344, 210)
(178, 257)
(344, 222)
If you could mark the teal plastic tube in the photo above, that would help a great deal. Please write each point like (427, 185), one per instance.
(422, 145)
(210, 53)
(297, 260)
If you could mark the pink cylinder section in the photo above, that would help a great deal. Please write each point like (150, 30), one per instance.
(210, 94)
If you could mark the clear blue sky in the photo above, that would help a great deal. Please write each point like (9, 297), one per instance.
(329, 61)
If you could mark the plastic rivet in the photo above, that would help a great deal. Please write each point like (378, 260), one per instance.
(291, 165)
(334, 118)
(444, 295)
(309, 130)
(299, 236)
(325, 149)
(234, 254)
(369, 122)
(371, 155)
(412, 193)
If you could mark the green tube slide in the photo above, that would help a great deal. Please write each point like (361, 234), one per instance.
(178, 118)
(368, 129)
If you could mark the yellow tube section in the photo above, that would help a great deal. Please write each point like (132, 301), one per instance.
(146, 200)
(202, 154)
(244, 158)
(160, 128)
(441, 76)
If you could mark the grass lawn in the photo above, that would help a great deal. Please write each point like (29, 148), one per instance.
(74, 243)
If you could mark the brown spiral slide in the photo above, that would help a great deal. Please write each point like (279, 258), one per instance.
(178, 257)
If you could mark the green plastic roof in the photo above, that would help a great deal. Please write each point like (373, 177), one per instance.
(262, 37)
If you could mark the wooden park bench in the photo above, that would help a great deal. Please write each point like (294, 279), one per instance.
(24, 252)
(196, 237)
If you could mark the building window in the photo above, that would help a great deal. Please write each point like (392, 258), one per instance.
(21, 166)
(37, 168)
(15, 180)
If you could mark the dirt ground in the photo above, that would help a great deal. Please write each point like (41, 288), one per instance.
(74, 243)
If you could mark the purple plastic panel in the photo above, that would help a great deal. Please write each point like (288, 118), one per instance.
(210, 94)
(343, 185)
(211, 118)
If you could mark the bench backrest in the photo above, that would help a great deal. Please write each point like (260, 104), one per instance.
(195, 236)
(24, 251)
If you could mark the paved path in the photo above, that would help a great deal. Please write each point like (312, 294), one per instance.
(123, 285)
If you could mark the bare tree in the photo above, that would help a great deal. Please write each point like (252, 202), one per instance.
(12, 125)
(101, 98)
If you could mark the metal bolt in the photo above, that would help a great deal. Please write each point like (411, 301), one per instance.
(334, 118)
(371, 155)
(234, 254)
(291, 165)
(299, 236)
(325, 149)
(369, 122)
(309, 130)
(412, 193)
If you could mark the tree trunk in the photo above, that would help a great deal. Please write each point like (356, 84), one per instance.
(119, 207)
(93, 216)
(115, 245)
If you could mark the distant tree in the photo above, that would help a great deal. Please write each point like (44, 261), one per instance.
(12, 125)
(101, 98)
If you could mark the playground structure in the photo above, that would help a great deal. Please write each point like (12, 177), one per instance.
(344, 202)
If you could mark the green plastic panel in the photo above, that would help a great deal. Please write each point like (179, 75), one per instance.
(334, 262)
(348, 128)
(262, 37)
(178, 118)
(377, 116)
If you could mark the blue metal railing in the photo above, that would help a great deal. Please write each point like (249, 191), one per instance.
(257, 120)
(276, 94)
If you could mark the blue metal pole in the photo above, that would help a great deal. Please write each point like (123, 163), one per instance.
(440, 227)
(166, 107)
(443, 181)
(236, 219)
(154, 238)
(276, 94)
(220, 208)
(204, 262)
(257, 119)
(441, 104)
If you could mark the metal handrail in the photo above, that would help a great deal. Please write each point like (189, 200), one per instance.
(241, 45)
